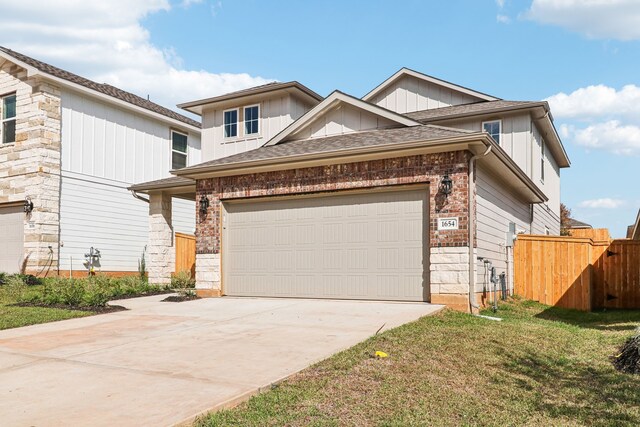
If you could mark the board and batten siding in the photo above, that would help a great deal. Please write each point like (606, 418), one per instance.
(409, 94)
(496, 207)
(104, 150)
(276, 113)
(343, 119)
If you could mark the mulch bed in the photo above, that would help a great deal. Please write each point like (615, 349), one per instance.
(180, 298)
(147, 294)
(628, 360)
(99, 310)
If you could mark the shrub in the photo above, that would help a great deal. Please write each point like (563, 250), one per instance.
(182, 282)
(3, 278)
(15, 287)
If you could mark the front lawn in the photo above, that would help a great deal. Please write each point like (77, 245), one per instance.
(539, 366)
(23, 303)
(12, 316)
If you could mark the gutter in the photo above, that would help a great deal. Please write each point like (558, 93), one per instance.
(471, 227)
(139, 197)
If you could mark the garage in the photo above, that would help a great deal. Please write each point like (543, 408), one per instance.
(368, 245)
(12, 241)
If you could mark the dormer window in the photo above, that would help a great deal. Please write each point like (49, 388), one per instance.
(231, 123)
(493, 128)
(251, 120)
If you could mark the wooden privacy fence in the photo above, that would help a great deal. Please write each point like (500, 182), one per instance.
(185, 253)
(578, 272)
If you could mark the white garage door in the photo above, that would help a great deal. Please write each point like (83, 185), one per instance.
(352, 246)
(11, 238)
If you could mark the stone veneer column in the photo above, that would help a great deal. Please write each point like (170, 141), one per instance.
(449, 277)
(208, 282)
(162, 253)
(30, 167)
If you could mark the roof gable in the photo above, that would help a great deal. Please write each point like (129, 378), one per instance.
(465, 94)
(341, 113)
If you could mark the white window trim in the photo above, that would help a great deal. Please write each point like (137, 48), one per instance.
(244, 117)
(238, 122)
(499, 121)
(2, 121)
(186, 153)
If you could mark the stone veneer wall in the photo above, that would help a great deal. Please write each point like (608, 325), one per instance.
(31, 166)
(449, 264)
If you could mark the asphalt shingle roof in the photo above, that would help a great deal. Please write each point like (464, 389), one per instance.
(379, 137)
(174, 181)
(474, 108)
(103, 88)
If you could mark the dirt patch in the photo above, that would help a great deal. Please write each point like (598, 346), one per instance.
(97, 310)
(180, 298)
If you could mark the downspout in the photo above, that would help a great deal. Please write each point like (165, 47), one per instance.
(139, 197)
(471, 227)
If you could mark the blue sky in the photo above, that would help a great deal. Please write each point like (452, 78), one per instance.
(583, 56)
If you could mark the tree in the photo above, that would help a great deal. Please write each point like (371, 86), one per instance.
(565, 218)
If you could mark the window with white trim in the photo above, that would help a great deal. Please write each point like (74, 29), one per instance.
(231, 123)
(8, 118)
(178, 150)
(251, 120)
(493, 128)
(542, 160)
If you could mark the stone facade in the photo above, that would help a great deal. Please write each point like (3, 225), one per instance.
(419, 169)
(30, 167)
(161, 251)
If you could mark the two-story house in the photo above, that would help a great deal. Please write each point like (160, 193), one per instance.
(69, 148)
(410, 193)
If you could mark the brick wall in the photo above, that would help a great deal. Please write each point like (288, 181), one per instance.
(427, 168)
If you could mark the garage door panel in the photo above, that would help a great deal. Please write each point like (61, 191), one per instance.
(12, 239)
(364, 246)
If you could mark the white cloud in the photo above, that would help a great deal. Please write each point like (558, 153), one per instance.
(500, 3)
(610, 136)
(597, 102)
(503, 19)
(603, 19)
(605, 203)
(105, 41)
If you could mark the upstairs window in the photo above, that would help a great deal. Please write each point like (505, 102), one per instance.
(494, 129)
(8, 118)
(178, 150)
(542, 160)
(251, 120)
(231, 123)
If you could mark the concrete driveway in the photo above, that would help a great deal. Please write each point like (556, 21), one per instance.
(163, 363)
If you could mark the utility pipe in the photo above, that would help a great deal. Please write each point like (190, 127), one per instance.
(471, 227)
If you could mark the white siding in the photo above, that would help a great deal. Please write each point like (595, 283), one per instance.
(105, 150)
(343, 119)
(104, 214)
(496, 207)
(276, 113)
(515, 137)
(107, 142)
(409, 94)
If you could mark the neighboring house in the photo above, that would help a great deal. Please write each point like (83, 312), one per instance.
(394, 196)
(574, 224)
(633, 231)
(69, 149)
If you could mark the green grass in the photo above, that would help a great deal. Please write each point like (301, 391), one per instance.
(14, 317)
(539, 366)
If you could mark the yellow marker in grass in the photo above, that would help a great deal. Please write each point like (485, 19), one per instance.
(381, 354)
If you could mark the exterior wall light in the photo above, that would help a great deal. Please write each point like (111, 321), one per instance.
(204, 204)
(28, 205)
(446, 185)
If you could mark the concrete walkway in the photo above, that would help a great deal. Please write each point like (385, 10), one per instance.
(162, 363)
